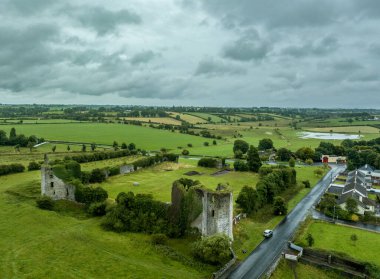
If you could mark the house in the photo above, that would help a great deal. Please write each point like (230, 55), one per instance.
(355, 188)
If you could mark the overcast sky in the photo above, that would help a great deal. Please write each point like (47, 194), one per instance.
(296, 53)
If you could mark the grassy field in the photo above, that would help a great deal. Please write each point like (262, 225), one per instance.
(158, 180)
(337, 238)
(287, 270)
(189, 118)
(44, 244)
(100, 133)
(161, 120)
(206, 116)
(334, 122)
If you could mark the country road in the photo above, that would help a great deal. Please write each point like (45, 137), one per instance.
(259, 261)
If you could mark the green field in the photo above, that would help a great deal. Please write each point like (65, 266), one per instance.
(337, 238)
(100, 133)
(292, 270)
(45, 244)
(206, 116)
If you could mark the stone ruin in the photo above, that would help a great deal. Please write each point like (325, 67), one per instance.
(217, 212)
(54, 187)
(57, 189)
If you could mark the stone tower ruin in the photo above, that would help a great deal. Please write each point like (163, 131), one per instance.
(54, 187)
(217, 213)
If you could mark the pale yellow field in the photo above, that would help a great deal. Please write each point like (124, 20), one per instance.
(162, 120)
(347, 129)
(188, 118)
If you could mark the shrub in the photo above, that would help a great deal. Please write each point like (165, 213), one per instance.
(33, 166)
(208, 162)
(240, 165)
(114, 171)
(97, 209)
(45, 202)
(310, 240)
(206, 143)
(97, 176)
(185, 152)
(159, 238)
(12, 168)
(213, 249)
(90, 195)
(189, 145)
(279, 206)
(306, 183)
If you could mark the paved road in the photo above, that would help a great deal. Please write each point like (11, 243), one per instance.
(259, 261)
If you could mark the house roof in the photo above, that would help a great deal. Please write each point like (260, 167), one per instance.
(362, 201)
(336, 190)
(366, 168)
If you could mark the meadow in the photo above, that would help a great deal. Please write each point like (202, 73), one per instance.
(101, 133)
(48, 244)
(337, 238)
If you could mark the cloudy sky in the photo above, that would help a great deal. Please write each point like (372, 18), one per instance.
(296, 53)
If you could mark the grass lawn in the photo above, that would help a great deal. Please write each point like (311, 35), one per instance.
(101, 133)
(287, 270)
(158, 180)
(163, 120)
(337, 238)
(44, 244)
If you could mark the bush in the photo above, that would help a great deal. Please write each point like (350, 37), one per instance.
(306, 183)
(159, 238)
(208, 162)
(34, 166)
(12, 168)
(97, 209)
(45, 202)
(114, 171)
(213, 249)
(90, 195)
(185, 152)
(97, 176)
(240, 166)
(279, 206)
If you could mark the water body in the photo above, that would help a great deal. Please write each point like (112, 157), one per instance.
(328, 136)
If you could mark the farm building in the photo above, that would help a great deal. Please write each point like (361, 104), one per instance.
(327, 159)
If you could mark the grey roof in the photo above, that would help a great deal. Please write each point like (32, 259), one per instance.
(336, 190)
(367, 168)
(363, 203)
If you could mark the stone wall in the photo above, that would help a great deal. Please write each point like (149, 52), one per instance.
(217, 214)
(126, 169)
(54, 187)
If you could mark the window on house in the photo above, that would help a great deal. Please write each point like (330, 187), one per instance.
(52, 184)
(51, 176)
(213, 213)
(67, 192)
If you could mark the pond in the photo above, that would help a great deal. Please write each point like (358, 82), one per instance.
(328, 136)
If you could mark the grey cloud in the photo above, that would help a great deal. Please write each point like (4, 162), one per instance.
(248, 47)
(275, 13)
(102, 20)
(27, 8)
(143, 57)
(212, 67)
(321, 47)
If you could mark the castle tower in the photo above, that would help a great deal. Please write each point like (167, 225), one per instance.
(54, 187)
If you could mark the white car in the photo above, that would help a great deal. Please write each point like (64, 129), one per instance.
(268, 233)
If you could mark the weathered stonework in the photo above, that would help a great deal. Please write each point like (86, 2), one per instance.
(126, 169)
(54, 187)
(217, 214)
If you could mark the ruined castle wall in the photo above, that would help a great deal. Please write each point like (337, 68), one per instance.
(54, 187)
(217, 215)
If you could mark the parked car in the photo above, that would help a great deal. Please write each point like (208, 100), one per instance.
(268, 233)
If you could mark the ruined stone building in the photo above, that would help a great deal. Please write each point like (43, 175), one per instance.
(54, 187)
(217, 213)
